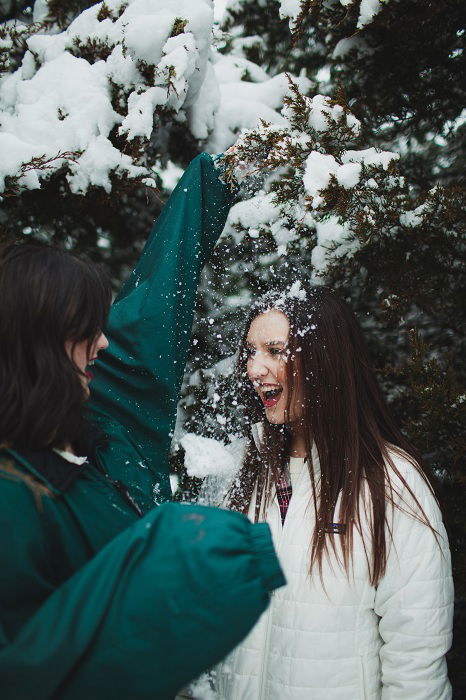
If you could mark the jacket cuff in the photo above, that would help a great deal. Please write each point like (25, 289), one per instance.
(269, 567)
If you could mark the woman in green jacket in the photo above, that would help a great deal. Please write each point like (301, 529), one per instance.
(102, 594)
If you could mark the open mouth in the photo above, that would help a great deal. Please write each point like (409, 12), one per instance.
(270, 397)
(87, 371)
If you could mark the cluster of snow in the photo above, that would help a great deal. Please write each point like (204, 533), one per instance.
(58, 103)
(368, 9)
(320, 167)
(290, 9)
(205, 456)
(254, 213)
(323, 114)
(296, 291)
(242, 103)
(370, 156)
(214, 462)
(333, 240)
(414, 217)
(350, 169)
(257, 215)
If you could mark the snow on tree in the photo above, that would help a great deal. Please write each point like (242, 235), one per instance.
(84, 99)
(296, 10)
(92, 98)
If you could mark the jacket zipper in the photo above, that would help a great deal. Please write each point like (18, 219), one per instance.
(123, 491)
(269, 616)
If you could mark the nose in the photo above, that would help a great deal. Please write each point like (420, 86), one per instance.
(258, 366)
(102, 342)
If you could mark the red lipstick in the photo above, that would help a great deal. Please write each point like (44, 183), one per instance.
(271, 397)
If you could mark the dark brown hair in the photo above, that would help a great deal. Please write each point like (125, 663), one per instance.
(47, 297)
(344, 414)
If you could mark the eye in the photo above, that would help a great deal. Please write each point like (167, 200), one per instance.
(276, 351)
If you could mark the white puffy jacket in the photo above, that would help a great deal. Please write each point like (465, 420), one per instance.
(350, 641)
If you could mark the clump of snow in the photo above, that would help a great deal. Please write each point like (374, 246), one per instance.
(368, 10)
(344, 46)
(290, 9)
(215, 463)
(296, 291)
(202, 113)
(205, 456)
(333, 239)
(234, 68)
(170, 174)
(370, 156)
(254, 213)
(40, 10)
(244, 103)
(348, 174)
(415, 217)
(323, 114)
(319, 169)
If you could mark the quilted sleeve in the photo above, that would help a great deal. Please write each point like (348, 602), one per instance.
(415, 603)
(163, 601)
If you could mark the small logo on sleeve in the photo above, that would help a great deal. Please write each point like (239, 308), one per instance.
(335, 528)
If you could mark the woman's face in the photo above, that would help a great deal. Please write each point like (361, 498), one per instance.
(81, 358)
(267, 353)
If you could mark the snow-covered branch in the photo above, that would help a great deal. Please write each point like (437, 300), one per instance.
(343, 194)
(297, 10)
(103, 87)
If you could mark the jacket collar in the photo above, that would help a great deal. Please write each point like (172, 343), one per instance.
(46, 465)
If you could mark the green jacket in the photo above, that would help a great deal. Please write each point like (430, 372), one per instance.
(103, 595)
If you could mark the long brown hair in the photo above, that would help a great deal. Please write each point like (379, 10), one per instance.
(344, 415)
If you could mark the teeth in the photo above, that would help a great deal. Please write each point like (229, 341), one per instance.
(91, 363)
(272, 393)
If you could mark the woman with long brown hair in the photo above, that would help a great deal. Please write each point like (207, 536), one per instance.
(367, 611)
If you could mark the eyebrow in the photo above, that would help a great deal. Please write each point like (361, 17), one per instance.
(267, 343)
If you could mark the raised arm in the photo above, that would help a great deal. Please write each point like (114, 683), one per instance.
(137, 380)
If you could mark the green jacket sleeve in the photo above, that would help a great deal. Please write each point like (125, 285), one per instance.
(165, 600)
(137, 380)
